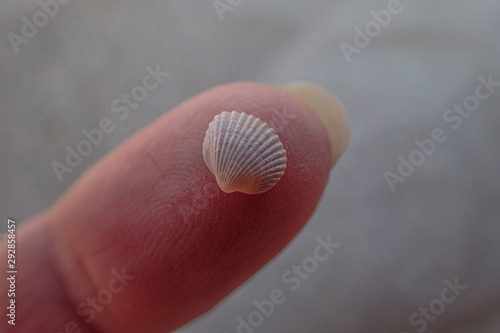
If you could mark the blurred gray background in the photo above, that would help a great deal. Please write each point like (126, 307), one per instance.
(397, 247)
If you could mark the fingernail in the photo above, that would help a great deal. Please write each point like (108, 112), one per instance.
(328, 109)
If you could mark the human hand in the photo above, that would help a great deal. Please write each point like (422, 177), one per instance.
(145, 241)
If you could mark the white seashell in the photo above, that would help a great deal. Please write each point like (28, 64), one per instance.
(243, 153)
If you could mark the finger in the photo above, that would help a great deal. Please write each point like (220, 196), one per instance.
(145, 240)
(328, 109)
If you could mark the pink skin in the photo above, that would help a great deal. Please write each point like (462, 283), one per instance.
(153, 208)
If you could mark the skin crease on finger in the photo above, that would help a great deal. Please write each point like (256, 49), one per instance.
(152, 209)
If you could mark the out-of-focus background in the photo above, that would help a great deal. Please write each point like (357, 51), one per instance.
(419, 246)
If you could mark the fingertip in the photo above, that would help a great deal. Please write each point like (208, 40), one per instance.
(153, 207)
(329, 110)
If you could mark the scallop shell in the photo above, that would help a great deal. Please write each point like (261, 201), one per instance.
(243, 153)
